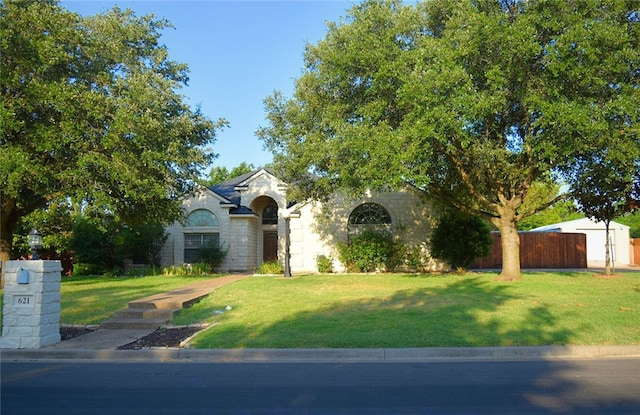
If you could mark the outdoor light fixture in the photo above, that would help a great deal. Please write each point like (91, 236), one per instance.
(35, 242)
(286, 215)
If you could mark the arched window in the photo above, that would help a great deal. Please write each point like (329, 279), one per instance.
(202, 228)
(270, 215)
(370, 214)
(200, 218)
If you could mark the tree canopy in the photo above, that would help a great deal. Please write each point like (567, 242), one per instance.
(91, 110)
(219, 174)
(474, 102)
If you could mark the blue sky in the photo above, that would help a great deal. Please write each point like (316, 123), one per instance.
(238, 53)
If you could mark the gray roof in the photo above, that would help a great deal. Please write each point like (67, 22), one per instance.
(227, 189)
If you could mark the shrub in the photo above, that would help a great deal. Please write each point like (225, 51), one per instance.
(88, 269)
(270, 267)
(460, 239)
(140, 243)
(370, 251)
(212, 255)
(325, 264)
(186, 269)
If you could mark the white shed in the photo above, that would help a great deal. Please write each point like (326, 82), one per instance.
(596, 238)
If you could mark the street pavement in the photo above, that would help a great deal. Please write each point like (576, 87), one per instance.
(575, 386)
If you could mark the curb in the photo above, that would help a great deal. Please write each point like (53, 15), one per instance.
(403, 355)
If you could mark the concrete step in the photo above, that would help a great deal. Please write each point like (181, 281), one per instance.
(160, 302)
(130, 323)
(142, 313)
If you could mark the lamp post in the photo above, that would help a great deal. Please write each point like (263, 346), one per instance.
(35, 243)
(286, 215)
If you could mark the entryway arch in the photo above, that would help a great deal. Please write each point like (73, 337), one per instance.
(267, 232)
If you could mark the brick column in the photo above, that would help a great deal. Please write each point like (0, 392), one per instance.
(31, 313)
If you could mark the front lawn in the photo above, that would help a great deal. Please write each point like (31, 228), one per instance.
(420, 311)
(387, 310)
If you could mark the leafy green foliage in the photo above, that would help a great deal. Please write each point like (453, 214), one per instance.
(632, 220)
(472, 102)
(559, 212)
(91, 110)
(104, 244)
(368, 252)
(325, 264)
(93, 245)
(269, 268)
(460, 239)
(212, 255)
(183, 270)
(219, 174)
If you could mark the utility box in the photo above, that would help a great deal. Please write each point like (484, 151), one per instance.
(31, 312)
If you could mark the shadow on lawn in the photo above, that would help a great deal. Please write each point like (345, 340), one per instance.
(458, 314)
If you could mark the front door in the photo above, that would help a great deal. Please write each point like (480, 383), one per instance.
(270, 246)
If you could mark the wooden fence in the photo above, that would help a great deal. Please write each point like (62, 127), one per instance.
(635, 251)
(541, 250)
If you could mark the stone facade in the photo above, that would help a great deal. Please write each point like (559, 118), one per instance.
(31, 312)
(243, 205)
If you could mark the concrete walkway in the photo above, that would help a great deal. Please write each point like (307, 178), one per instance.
(112, 338)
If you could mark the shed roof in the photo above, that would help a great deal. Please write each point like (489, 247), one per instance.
(583, 223)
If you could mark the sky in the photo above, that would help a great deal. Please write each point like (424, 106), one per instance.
(239, 52)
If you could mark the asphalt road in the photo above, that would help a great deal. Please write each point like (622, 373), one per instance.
(595, 386)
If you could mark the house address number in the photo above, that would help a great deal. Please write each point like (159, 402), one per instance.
(23, 300)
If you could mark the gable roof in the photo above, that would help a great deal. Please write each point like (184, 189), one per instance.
(229, 190)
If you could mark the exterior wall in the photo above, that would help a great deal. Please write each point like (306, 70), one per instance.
(173, 249)
(596, 240)
(241, 255)
(315, 228)
(320, 227)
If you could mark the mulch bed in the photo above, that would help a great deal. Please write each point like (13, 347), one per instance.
(163, 337)
(69, 332)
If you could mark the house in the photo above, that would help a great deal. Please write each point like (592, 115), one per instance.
(596, 238)
(247, 215)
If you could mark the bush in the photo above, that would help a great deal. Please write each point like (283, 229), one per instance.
(325, 264)
(212, 255)
(92, 243)
(88, 269)
(460, 239)
(370, 251)
(270, 267)
(186, 269)
(140, 243)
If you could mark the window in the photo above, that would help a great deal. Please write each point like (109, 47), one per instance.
(200, 218)
(202, 227)
(194, 241)
(270, 215)
(370, 214)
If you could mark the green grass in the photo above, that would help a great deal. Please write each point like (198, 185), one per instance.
(388, 310)
(91, 300)
(420, 311)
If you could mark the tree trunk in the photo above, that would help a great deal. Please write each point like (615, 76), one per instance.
(6, 236)
(6, 240)
(607, 248)
(510, 241)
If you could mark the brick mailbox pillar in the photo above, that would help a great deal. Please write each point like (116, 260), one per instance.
(31, 312)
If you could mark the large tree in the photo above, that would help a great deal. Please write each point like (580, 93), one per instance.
(473, 102)
(91, 110)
